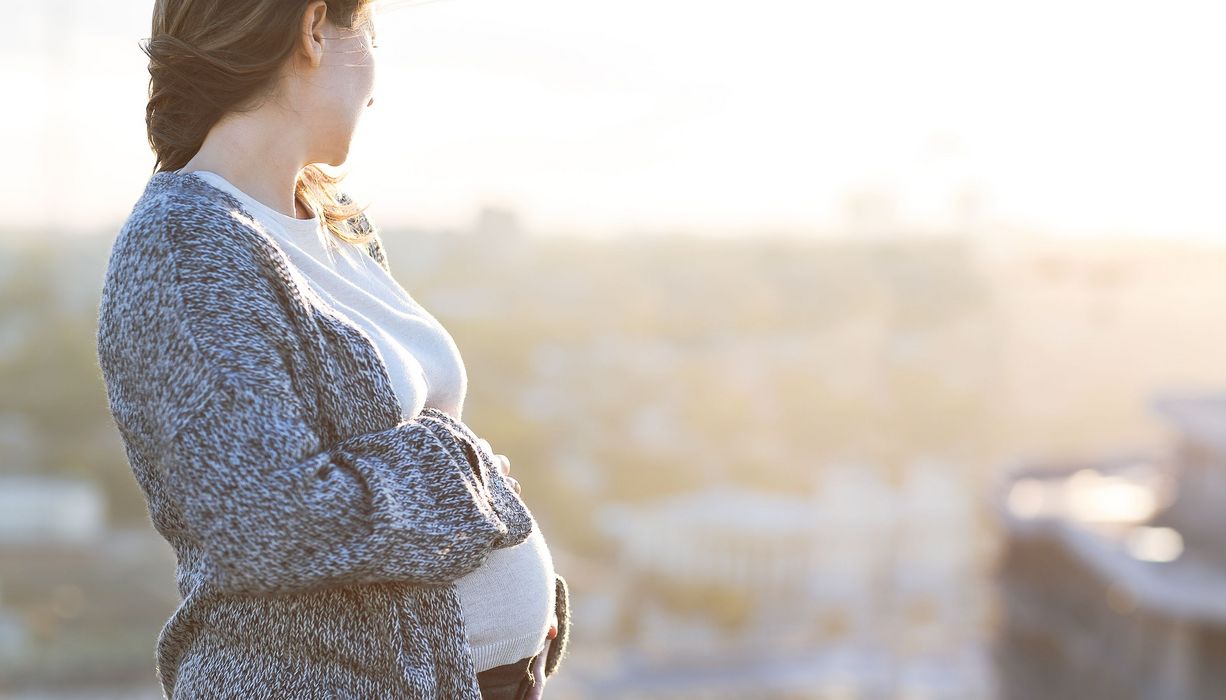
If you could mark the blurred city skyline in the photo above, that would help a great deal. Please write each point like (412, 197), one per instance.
(1069, 118)
(761, 464)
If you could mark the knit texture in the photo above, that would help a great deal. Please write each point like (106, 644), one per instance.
(508, 602)
(317, 533)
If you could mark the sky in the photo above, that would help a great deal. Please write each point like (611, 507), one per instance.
(1071, 117)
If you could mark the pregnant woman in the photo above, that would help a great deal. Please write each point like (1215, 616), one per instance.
(290, 411)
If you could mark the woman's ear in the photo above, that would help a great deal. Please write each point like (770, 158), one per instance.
(314, 21)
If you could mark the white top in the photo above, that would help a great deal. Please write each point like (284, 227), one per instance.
(508, 602)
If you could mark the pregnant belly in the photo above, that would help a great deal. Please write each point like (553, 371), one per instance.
(508, 602)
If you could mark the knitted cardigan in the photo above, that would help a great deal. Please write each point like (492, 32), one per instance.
(317, 533)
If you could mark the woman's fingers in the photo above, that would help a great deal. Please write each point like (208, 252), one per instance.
(504, 466)
(537, 691)
(503, 462)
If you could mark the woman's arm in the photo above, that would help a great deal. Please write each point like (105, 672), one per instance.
(506, 501)
(277, 511)
(198, 351)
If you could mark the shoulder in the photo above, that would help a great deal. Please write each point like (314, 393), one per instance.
(182, 231)
(192, 240)
(150, 360)
(185, 215)
(192, 265)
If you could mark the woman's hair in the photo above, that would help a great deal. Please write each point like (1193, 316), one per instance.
(211, 57)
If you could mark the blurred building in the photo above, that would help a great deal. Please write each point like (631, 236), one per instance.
(38, 509)
(81, 602)
(859, 589)
(14, 638)
(1113, 573)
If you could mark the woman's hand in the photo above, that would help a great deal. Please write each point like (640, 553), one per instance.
(504, 464)
(537, 691)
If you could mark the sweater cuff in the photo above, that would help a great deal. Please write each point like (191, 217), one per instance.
(507, 504)
(558, 646)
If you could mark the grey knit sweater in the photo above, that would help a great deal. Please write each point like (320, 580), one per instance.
(318, 534)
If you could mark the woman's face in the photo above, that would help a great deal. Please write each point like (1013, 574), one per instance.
(336, 84)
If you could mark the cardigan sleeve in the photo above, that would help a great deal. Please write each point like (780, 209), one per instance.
(277, 511)
(375, 248)
(196, 350)
(560, 644)
(504, 501)
(363, 224)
